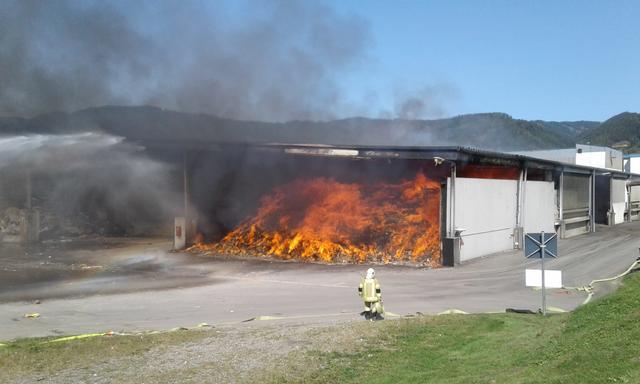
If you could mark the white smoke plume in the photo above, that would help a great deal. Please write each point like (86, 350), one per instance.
(91, 176)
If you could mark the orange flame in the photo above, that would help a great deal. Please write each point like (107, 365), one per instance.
(323, 219)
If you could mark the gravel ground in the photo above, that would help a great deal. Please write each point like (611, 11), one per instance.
(257, 352)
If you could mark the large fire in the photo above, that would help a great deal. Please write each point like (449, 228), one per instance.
(324, 219)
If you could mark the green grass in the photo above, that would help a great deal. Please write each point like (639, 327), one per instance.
(598, 343)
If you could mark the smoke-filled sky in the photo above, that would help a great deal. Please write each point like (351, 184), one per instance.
(264, 60)
(283, 60)
(90, 173)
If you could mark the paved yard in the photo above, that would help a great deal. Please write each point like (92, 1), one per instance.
(137, 284)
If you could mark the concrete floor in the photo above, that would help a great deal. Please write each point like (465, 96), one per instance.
(136, 284)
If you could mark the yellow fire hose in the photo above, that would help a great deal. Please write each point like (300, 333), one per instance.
(111, 333)
(77, 337)
(589, 288)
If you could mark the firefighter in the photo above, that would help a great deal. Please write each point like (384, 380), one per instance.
(369, 290)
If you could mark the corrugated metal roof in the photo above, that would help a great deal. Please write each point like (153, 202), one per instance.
(451, 153)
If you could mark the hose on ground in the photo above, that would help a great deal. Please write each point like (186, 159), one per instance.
(589, 288)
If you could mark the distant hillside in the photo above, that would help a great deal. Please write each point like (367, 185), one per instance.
(568, 129)
(622, 131)
(496, 131)
(492, 131)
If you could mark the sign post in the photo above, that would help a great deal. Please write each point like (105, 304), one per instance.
(544, 292)
(537, 245)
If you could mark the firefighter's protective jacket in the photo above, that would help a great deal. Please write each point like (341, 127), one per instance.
(369, 290)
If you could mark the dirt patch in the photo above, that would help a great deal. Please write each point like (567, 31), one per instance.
(250, 353)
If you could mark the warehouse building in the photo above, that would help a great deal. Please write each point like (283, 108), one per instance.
(408, 205)
(479, 202)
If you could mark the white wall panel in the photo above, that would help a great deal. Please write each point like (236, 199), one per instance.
(618, 208)
(634, 165)
(486, 208)
(592, 159)
(539, 207)
(618, 192)
(635, 193)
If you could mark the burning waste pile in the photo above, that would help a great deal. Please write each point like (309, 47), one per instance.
(321, 219)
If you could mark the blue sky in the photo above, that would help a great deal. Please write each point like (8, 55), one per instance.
(551, 60)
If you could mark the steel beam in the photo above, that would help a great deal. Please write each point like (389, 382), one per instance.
(524, 195)
(29, 198)
(453, 200)
(592, 202)
(561, 203)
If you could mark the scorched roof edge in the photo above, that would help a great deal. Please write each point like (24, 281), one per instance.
(454, 153)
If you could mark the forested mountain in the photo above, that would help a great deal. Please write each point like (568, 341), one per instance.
(621, 131)
(496, 131)
(493, 131)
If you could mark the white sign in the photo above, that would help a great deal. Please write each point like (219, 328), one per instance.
(552, 279)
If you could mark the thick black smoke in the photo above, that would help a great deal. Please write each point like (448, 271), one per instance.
(424, 102)
(281, 62)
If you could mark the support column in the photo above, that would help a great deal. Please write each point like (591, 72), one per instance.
(185, 185)
(519, 198)
(182, 225)
(592, 201)
(524, 196)
(451, 243)
(29, 201)
(611, 214)
(627, 202)
(518, 232)
(561, 204)
(31, 224)
(452, 190)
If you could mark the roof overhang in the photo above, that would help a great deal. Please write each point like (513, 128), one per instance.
(455, 154)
